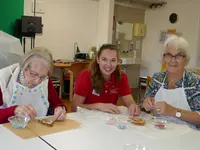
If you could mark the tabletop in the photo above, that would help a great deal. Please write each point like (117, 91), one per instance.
(95, 134)
(9, 141)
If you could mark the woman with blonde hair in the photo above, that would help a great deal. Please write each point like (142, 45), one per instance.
(175, 93)
(25, 88)
(100, 87)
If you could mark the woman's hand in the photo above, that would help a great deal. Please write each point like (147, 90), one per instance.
(148, 104)
(134, 110)
(59, 114)
(25, 110)
(163, 108)
(108, 107)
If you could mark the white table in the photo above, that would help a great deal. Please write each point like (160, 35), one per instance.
(9, 141)
(94, 134)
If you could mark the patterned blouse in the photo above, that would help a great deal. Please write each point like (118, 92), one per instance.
(191, 85)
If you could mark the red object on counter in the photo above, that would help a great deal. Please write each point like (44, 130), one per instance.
(160, 126)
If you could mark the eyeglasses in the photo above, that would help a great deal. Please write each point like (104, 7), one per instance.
(35, 75)
(177, 57)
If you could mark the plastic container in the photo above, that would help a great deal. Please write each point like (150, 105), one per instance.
(121, 122)
(19, 121)
(159, 123)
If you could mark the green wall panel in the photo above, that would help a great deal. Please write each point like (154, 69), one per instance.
(10, 10)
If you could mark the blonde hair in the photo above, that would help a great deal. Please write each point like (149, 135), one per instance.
(178, 43)
(38, 53)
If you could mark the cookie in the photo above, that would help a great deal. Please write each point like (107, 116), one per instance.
(137, 121)
(47, 122)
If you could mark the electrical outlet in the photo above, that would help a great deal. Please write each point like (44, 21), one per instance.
(39, 6)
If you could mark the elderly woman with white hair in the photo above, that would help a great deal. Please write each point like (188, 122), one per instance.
(25, 88)
(175, 93)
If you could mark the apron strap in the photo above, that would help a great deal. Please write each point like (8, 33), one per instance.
(164, 80)
(10, 77)
(183, 79)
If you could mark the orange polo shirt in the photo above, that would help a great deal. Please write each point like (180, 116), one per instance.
(111, 89)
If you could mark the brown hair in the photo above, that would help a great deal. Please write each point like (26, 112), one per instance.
(95, 71)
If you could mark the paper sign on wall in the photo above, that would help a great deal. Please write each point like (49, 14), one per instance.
(166, 33)
(163, 36)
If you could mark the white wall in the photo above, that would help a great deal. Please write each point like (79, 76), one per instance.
(105, 21)
(156, 20)
(66, 22)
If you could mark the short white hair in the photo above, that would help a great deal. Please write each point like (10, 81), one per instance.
(38, 53)
(178, 43)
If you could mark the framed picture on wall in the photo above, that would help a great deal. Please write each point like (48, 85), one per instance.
(163, 36)
(166, 33)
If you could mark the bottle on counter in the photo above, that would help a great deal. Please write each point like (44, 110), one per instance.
(131, 46)
(92, 52)
(91, 55)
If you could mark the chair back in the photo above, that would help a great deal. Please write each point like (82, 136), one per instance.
(149, 78)
(78, 67)
(73, 72)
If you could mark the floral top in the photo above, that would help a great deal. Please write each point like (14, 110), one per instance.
(191, 85)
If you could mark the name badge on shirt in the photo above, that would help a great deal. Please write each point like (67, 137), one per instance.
(95, 93)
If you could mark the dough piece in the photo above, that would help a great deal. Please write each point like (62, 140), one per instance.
(46, 121)
(137, 121)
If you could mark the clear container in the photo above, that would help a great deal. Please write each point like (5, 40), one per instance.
(121, 122)
(19, 121)
(135, 147)
(159, 123)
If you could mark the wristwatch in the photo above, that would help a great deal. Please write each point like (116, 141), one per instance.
(178, 113)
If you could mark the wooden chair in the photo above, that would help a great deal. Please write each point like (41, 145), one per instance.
(72, 73)
(198, 73)
(148, 81)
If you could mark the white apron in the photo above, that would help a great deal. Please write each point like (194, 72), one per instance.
(36, 97)
(175, 97)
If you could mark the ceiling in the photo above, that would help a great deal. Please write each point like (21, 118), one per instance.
(146, 3)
